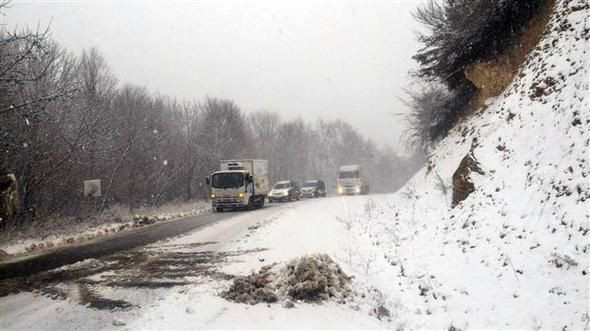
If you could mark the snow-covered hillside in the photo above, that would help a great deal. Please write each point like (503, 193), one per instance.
(516, 252)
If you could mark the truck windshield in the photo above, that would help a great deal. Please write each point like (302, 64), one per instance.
(227, 180)
(349, 174)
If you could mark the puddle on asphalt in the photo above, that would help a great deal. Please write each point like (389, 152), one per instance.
(147, 268)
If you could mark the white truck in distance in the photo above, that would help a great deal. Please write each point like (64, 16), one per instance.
(239, 184)
(351, 180)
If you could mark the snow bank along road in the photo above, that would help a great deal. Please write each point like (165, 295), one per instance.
(45, 260)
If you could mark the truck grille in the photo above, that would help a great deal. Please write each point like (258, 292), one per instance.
(227, 200)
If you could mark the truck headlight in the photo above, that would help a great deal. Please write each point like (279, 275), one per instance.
(340, 189)
(240, 195)
(357, 189)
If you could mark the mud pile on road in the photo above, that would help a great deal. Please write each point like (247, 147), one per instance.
(314, 278)
(252, 289)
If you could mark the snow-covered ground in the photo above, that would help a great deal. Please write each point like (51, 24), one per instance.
(514, 254)
(427, 274)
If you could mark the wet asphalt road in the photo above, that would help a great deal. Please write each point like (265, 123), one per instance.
(62, 256)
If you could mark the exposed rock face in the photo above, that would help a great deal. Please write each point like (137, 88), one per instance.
(9, 199)
(492, 77)
(462, 184)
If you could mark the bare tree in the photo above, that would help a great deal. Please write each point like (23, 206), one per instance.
(130, 103)
(265, 132)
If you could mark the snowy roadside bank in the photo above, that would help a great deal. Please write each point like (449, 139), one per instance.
(67, 231)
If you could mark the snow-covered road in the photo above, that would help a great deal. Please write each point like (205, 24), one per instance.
(175, 283)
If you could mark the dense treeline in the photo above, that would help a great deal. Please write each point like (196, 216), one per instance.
(66, 119)
(459, 33)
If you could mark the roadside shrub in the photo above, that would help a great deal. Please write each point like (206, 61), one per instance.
(433, 110)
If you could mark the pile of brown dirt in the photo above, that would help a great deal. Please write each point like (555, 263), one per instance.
(313, 278)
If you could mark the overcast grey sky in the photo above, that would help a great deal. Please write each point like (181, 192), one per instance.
(314, 59)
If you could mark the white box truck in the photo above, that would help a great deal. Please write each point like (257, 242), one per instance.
(351, 180)
(239, 184)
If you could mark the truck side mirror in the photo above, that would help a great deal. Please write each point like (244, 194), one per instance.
(248, 178)
(207, 180)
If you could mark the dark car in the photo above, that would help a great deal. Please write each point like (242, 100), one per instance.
(313, 189)
(285, 190)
